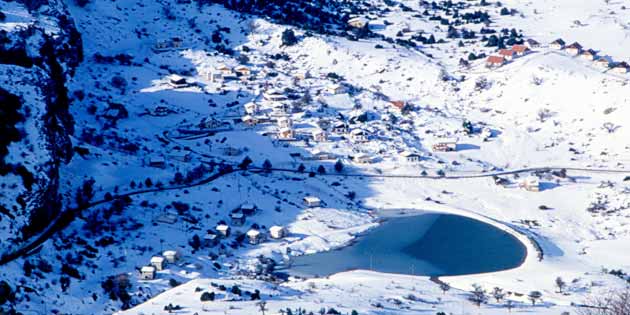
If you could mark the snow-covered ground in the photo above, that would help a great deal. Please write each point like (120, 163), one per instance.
(544, 109)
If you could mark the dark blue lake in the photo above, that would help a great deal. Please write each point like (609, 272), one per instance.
(427, 245)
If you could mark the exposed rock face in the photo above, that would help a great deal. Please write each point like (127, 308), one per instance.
(39, 51)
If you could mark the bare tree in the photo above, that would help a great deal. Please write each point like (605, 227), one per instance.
(478, 296)
(611, 303)
(498, 294)
(534, 296)
(543, 114)
(610, 127)
(262, 306)
(560, 284)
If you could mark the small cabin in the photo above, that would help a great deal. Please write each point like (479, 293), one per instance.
(210, 240)
(248, 208)
(249, 120)
(251, 108)
(284, 122)
(177, 81)
(319, 135)
(335, 89)
(147, 273)
(340, 128)
(520, 50)
(171, 256)
(445, 145)
(158, 262)
(557, 44)
(495, 61)
(237, 218)
(223, 230)
(588, 54)
(358, 22)
(157, 161)
(531, 183)
(621, 68)
(277, 232)
(507, 54)
(358, 135)
(254, 236)
(573, 49)
(311, 201)
(411, 157)
(286, 134)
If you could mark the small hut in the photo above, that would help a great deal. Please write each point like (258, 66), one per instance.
(158, 262)
(277, 232)
(311, 201)
(171, 256)
(223, 229)
(147, 273)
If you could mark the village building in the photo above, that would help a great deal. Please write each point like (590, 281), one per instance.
(602, 62)
(147, 273)
(520, 50)
(363, 158)
(243, 71)
(319, 155)
(251, 108)
(495, 61)
(588, 54)
(573, 49)
(335, 89)
(171, 256)
(254, 236)
(557, 44)
(210, 240)
(286, 134)
(311, 201)
(223, 230)
(237, 218)
(277, 232)
(213, 75)
(621, 68)
(532, 43)
(340, 128)
(358, 22)
(507, 54)
(177, 81)
(213, 123)
(249, 120)
(531, 183)
(445, 145)
(157, 162)
(358, 135)
(319, 135)
(284, 122)
(248, 208)
(158, 262)
(411, 157)
(274, 95)
(224, 70)
(281, 109)
(398, 105)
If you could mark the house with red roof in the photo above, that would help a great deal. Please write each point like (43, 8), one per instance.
(507, 54)
(495, 61)
(520, 50)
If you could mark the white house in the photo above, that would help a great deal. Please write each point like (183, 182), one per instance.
(531, 183)
(171, 256)
(277, 232)
(311, 201)
(284, 122)
(251, 108)
(254, 236)
(223, 230)
(445, 145)
(411, 156)
(319, 135)
(358, 135)
(158, 262)
(335, 89)
(147, 273)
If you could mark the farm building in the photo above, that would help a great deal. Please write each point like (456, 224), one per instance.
(158, 262)
(495, 61)
(319, 135)
(520, 50)
(507, 54)
(411, 156)
(171, 256)
(254, 236)
(445, 145)
(223, 230)
(530, 183)
(557, 44)
(237, 219)
(177, 81)
(311, 201)
(573, 49)
(147, 273)
(277, 232)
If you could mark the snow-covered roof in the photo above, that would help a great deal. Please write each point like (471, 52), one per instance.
(237, 215)
(168, 253)
(248, 206)
(276, 229)
(222, 227)
(311, 199)
(253, 233)
(147, 269)
(157, 259)
(409, 153)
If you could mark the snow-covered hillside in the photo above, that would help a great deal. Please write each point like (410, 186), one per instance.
(187, 113)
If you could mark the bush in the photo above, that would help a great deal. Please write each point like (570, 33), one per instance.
(288, 38)
(207, 296)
